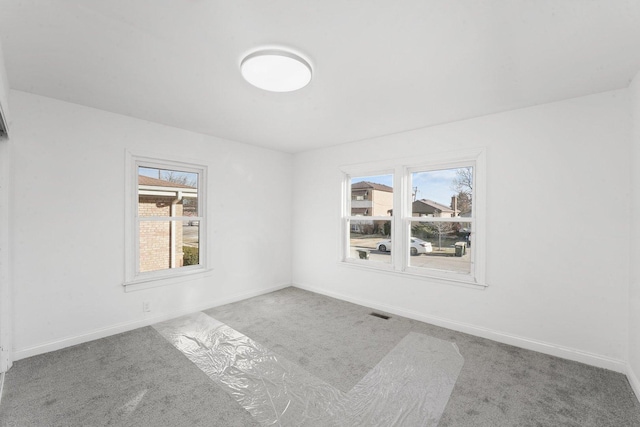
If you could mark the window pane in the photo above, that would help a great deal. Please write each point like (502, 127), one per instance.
(168, 244)
(370, 240)
(191, 242)
(441, 245)
(442, 193)
(190, 204)
(372, 195)
(163, 192)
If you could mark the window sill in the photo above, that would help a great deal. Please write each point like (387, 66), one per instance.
(157, 281)
(466, 282)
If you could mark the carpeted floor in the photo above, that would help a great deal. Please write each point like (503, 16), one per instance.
(139, 379)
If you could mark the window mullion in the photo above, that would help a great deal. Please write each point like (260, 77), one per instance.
(441, 219)
(169, 218)
(400, 205)
(368, 218)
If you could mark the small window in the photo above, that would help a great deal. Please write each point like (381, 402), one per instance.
(168, 220)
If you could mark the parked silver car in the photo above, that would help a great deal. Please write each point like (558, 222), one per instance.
(418, 246)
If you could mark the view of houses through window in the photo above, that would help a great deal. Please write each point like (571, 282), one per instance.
(439, 224)
(168, 219)
(442, 216)
(371, 197)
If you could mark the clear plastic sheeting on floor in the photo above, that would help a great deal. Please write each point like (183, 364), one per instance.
(410, 386)
(272, 389)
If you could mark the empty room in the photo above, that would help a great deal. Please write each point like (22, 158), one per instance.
(330, 213)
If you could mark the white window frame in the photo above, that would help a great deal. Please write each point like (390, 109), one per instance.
(134, 278)
(402, 214)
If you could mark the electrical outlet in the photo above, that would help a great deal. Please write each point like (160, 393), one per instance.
(146, 306)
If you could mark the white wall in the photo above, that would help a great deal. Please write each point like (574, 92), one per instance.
(6, 335)
(68, 207)
(6, 307)
(558, 184)
(4, 87)
(564, 291)
(634, 288)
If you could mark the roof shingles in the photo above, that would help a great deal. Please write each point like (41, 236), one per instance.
(147, 180)
(363, 185)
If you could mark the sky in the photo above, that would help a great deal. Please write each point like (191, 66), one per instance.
(192, 178)
(434, 185)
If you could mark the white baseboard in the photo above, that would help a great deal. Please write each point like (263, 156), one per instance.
(529, 344)
(634, 381)
(506, 338)
(1, 386)
(139, 323)
(5, 360)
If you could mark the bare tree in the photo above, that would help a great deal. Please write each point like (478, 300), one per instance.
(428, 230)
(464, 202)
(441, 228)
(463, 185)
(463, 182)
(178, 178)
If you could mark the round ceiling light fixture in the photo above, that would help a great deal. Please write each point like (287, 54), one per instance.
(276, 70)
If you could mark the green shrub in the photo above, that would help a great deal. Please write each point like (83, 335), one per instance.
(191, 256)
(386, 228)
(424, 231)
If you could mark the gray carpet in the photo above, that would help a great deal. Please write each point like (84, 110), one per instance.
(500, 385)
(131, 379)
(139, 379)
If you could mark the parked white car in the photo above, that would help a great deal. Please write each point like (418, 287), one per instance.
(418, 246)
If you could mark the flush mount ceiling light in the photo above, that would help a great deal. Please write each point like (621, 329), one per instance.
(276, 70)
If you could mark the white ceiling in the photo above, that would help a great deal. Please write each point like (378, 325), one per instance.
(380, 66)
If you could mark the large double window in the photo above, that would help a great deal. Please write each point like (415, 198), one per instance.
(424, 218)
(167, 220)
